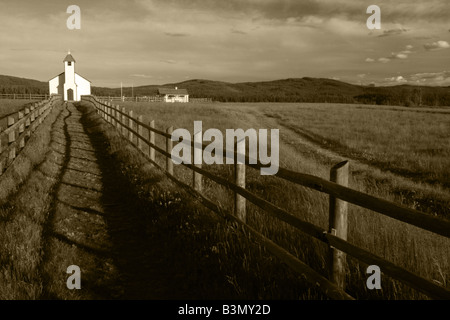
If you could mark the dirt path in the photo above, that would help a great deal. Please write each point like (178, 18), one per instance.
(97, 223)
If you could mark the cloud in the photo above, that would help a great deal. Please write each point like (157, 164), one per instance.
(281, 10)
(391, 32)
(238, 31)
(174, 34)
(400, 55)
(370, 60)
(437, 45)
(432, 78)
(398, 79)
(141, 76)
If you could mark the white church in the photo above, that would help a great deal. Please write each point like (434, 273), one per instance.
(69, 84)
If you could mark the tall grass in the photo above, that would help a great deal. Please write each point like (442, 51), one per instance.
(8, 106)
(416, 250)
(24, 197)
(412, 143)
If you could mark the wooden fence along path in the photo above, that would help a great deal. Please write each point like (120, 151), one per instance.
(24, 96)
(20, 125)
(339, 195)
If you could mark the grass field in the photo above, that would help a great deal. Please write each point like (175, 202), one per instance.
(204, 255)
(395, 153)
(8, 106)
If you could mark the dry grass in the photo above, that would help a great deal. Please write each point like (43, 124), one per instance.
(208, 246)
(315, 136)
(22, 216)
(8, 106)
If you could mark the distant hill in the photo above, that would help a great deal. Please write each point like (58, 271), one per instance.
(9, 84)
(286, 90)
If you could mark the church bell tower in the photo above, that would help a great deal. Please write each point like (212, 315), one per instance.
(70, 87)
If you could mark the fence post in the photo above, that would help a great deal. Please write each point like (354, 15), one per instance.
(139, 130)
(112, 114)
(32, 113)
(27, 122)
(108, 112)
(169, 144)
(1, 160)
(239, 180)
(152, 141)
(338, 225)
(130, 124)
(21, 130)
(11, 139)
(40, 111)
(123, 122)
(118, 116)
(197, 177)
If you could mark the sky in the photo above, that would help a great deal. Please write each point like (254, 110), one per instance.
(142, 42)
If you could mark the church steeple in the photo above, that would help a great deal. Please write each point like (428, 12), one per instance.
(69, 58)
(70, 87)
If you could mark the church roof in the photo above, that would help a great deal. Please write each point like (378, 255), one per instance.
(69, 58)
(64, 73)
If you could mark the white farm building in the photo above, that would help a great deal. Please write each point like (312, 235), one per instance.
(69, 84)
(174, 95)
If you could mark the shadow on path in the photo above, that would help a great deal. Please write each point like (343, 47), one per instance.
(150, 264)
(126, 246)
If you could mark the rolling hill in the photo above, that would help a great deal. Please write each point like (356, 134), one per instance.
(285, 90)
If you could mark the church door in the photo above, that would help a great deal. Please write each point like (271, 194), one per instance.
(70, 94)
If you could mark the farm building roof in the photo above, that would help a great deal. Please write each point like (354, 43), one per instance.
(172, 91)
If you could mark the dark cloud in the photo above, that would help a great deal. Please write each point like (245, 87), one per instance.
(355, 10)
(269, 9)
(391, 32)
(238, 31)
(130, 9)
(173, 34)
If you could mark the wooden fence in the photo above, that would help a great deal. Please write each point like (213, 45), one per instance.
(19, 127)
(132, 99)
(156, 98)
(134, 128)
(25, 96)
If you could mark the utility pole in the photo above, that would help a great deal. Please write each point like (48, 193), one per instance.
(121, 94)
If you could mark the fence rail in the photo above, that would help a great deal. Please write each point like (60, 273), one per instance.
(155, 98)
(339, 194)
(24, 96)
(20, 126)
